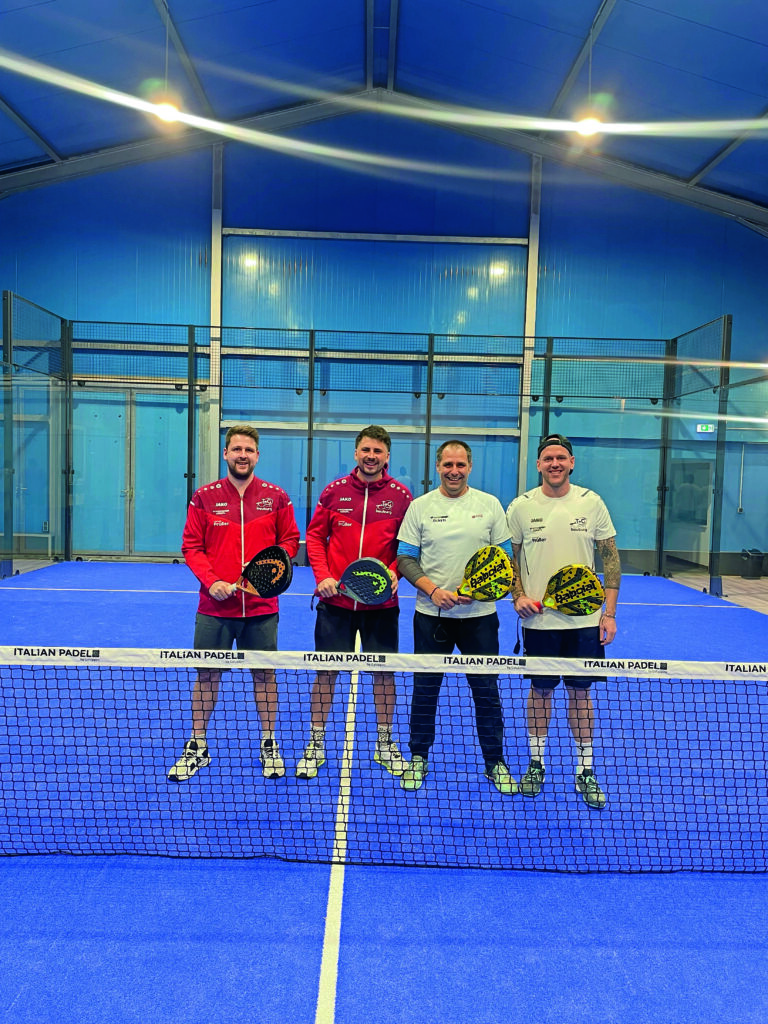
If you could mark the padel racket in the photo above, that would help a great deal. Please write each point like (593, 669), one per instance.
(488, 575)
(574, 590)
(268, 573)
(367, 581)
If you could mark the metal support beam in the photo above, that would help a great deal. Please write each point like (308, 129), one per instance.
(160, 148)
(184, 58)
(394, 7)
(369, 42)
(617, 171)
(529, 329)
(27, 128)
(584, 54)
(6, 550)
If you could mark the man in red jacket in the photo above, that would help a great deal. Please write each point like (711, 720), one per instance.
(228, 522)
(357, 516)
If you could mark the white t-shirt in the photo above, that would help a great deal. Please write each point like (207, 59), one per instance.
(447, 532)
(555, 532)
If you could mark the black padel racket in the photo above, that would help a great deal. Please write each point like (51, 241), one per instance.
(268, 573)
(367, 581)
(574, 590)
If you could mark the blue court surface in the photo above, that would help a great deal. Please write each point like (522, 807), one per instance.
(195, 936)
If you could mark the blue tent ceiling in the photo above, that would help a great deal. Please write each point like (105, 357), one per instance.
(276, 65)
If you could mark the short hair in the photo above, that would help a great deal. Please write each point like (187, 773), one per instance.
(454, 443)
(242, 428)
(376, 434)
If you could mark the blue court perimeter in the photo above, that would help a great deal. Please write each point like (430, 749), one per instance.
(155, 939)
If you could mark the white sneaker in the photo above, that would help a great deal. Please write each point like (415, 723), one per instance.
(194, 758)
(389, 757)
(272, 764)
(314, 756)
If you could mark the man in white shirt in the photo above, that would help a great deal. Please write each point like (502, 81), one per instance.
(439, 534)
(558, 524)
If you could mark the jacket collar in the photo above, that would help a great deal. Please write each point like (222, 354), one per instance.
(354, 478)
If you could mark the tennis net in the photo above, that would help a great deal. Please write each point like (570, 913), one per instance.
(89, 736)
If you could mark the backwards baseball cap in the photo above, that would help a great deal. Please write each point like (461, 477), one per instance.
(560, 439)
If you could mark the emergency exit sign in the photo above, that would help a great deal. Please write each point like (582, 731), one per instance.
(705, 428)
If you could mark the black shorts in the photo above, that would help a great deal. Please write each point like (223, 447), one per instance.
(335, 629)
(562, 643)
(254, 633)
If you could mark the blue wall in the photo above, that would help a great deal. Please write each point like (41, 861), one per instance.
(134, 245)
(617, 263)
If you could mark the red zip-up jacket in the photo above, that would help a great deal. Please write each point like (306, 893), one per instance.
(224, 531)
(353, 520)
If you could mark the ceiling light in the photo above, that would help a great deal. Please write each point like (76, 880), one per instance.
(588, 126)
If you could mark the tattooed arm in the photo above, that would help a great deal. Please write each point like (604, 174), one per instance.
(612, 575)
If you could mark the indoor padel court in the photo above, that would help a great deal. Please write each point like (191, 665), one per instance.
(242, 897)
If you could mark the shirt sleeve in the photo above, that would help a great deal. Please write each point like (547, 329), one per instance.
(318, 532)
(410, 528)
(193, 546)
(287, 531)
(499, 528)
(604, 527)
(514, 525)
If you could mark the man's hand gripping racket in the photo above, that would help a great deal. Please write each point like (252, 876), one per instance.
(572, 590)
(268, 573)
(366, 581)
(488, 576)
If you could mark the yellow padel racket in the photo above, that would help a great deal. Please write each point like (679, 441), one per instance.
(574, 590)
(488, 575)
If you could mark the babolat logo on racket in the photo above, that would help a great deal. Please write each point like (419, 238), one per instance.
(574, 590)
(488, 575)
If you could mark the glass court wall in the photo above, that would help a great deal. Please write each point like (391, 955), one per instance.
(108, 428)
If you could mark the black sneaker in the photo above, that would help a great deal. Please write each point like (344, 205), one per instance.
(587, 785)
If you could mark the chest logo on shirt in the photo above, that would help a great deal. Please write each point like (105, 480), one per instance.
(385, 507)
(343, 522)
(265, 504)
(438, 519)
(579, 524)
(220, 522)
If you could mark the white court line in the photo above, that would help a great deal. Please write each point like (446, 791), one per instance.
(95, 590)
(403, 597)
(329, 966)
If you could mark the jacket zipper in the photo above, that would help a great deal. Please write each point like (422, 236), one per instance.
(242, 550)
